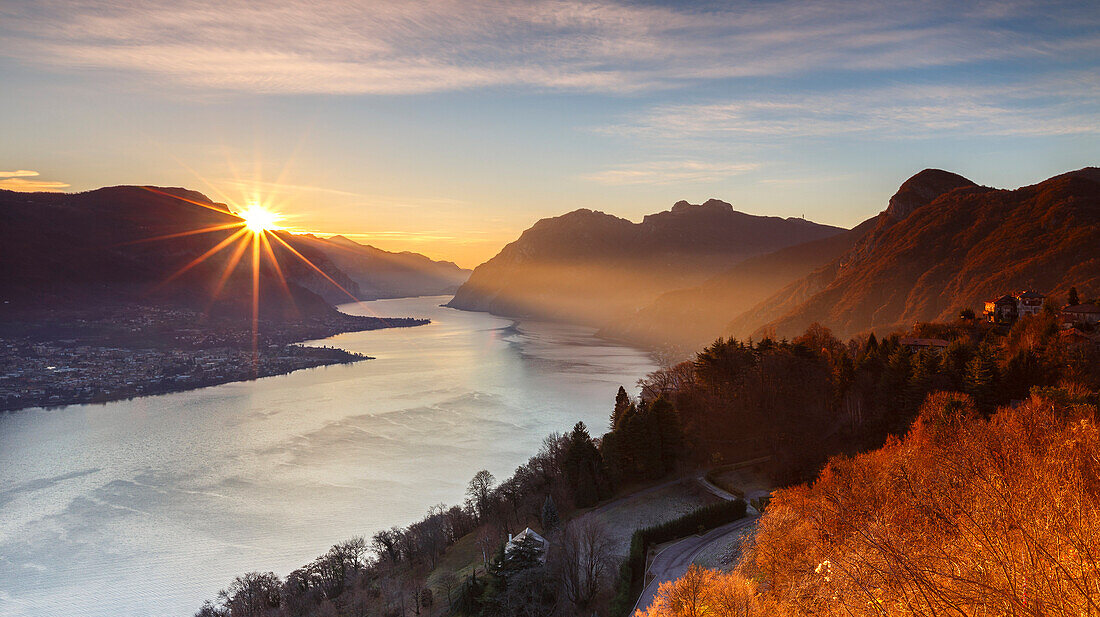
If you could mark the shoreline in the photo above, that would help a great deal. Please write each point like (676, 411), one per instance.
(53, 374)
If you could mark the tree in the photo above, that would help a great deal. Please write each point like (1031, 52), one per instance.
(622, 404)
(529, 593)
(550, 519)
(584, 563)
(527, 552)
(448, 580)
(479, 490)
(705, 593)
(980, 381)
(1074, 299)
(964, 516)
(384, 543)
(581, 467)
(252, 595)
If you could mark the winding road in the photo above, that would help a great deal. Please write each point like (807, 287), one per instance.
(672, 561)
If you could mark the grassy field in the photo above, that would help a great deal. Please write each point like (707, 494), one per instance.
(649, 507)
(461, 558)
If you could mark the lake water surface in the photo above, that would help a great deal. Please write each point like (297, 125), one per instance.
(149, 506)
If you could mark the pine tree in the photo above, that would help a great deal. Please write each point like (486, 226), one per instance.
(581, 466)
(1074, 299)
(550, 519)
(622, 404)
(527, 553)
(981, 379)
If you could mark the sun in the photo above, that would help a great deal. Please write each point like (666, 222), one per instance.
(258, 219)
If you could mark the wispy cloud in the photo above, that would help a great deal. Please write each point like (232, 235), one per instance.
(297, 46)
(669, 172)
(1065, 105)
(18, 181)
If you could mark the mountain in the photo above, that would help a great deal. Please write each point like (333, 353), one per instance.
(691, 318)
(382, 274)
(590, 267)
(123, 243)
(944, 244)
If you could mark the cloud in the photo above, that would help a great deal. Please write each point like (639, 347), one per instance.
(669, 172)
(1058, 105)
(16, 181)
(362, 46)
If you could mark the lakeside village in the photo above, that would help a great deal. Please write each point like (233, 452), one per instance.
(141, 351)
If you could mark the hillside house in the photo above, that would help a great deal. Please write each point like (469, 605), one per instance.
(1081, 315)
(1029, 303)
(523, 536)
(1002, 310)
(1008, 308)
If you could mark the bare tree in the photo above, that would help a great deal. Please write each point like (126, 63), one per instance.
(584, 563)
(487, 542)
(448, 581)
(480, 491)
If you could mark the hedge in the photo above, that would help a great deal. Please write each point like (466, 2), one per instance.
(632, 572)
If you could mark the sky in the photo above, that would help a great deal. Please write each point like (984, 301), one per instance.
(448, 127)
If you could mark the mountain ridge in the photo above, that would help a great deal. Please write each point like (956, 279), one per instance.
(953, 252)
(590, 267)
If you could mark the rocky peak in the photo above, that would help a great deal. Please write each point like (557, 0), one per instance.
(922, 189)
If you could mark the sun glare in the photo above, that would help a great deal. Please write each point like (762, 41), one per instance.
(259, 220)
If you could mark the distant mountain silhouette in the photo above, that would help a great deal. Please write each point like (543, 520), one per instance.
(382, 274)
(589, 267)
(120, 244)
(944, 244)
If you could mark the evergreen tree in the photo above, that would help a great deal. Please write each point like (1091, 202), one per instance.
(521, 555)
(550, 519)
(921, 380)
(670, 434)
(981, 379)
(1073, 297)
(622, 405)
(581, 467)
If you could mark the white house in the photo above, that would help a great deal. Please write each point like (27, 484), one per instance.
(522, 536)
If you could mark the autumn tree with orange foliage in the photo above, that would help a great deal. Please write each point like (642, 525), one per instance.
(964, 516)
(708, 593)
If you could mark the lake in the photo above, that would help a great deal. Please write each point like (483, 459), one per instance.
(149, 506)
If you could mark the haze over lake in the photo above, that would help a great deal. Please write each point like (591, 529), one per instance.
(149, 506)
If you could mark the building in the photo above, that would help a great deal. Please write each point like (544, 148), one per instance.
(1029, 302)
(1081, 314)
(524, 536)
(1002, 310)
(1010, 307)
